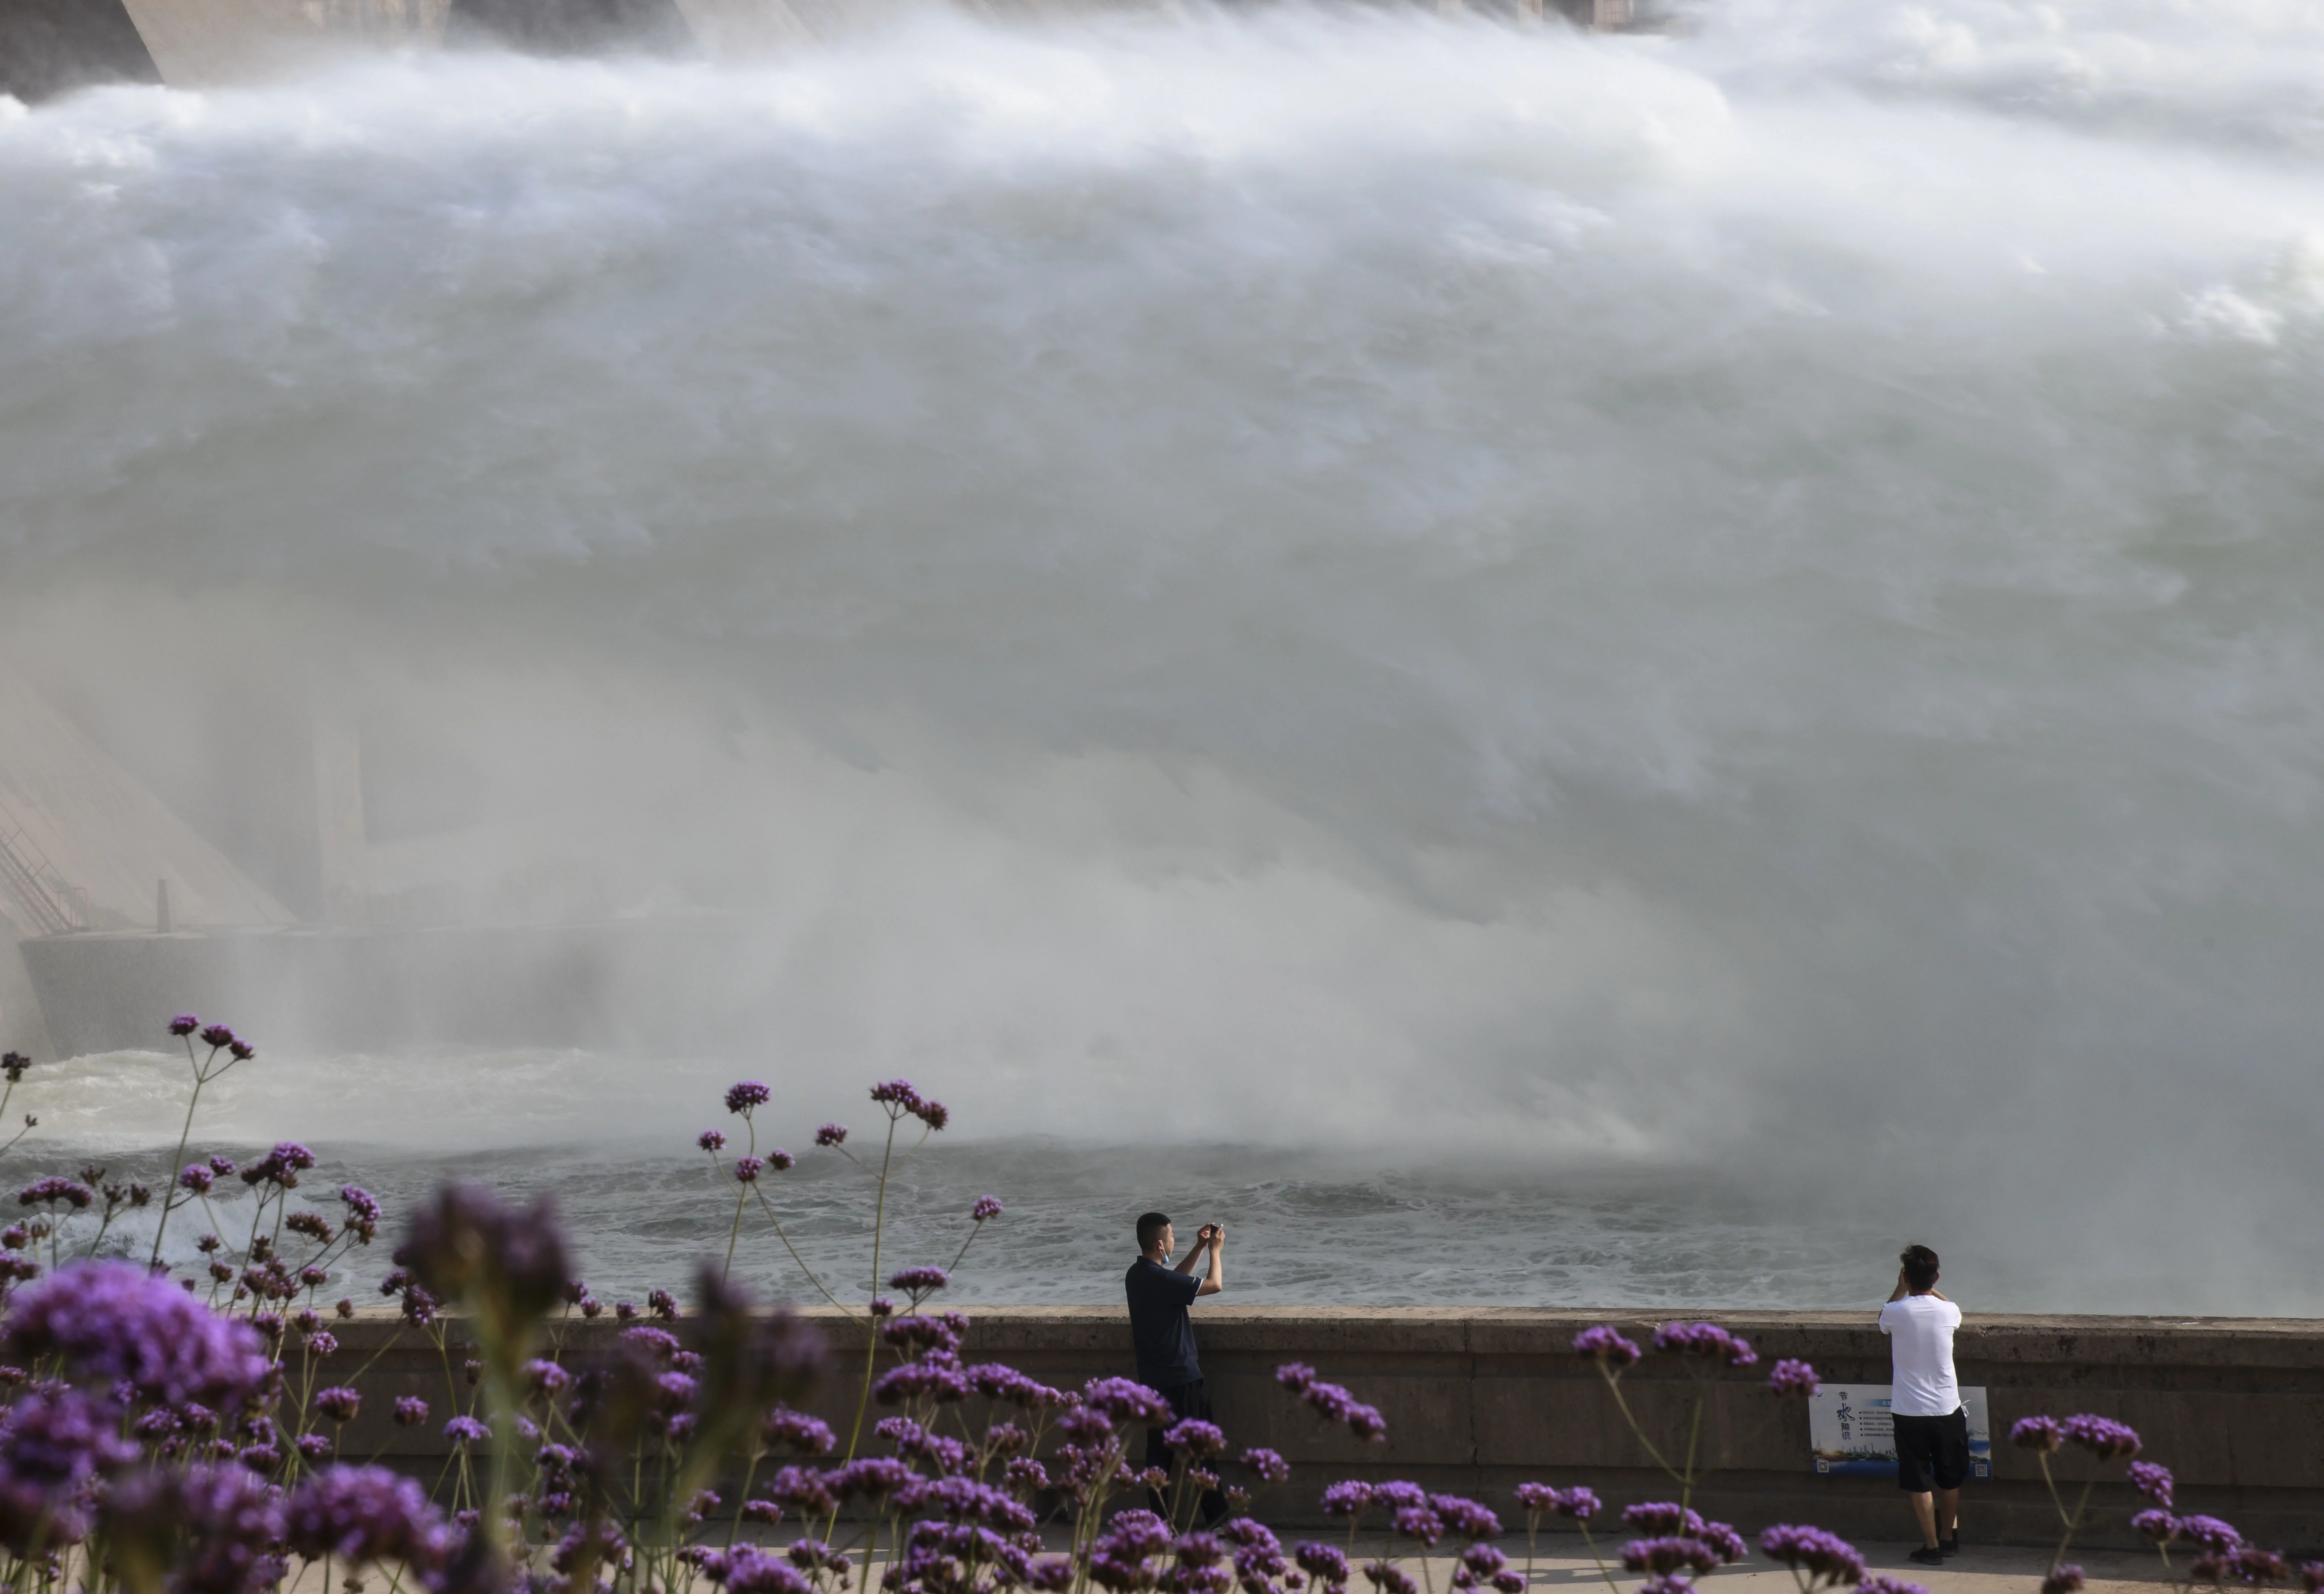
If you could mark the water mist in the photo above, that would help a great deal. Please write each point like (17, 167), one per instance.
(1341, 581)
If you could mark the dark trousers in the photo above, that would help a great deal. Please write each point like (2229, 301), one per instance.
(1186, 1401)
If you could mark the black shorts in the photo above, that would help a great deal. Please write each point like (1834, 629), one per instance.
(1931, 1451)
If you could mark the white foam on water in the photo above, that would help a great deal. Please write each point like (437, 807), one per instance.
(1308, 578)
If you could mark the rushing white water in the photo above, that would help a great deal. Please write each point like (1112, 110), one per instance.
(1301, 577)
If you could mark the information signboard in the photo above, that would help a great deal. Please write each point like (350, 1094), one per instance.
(1849, 1433)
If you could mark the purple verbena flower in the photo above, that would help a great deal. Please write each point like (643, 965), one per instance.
(748, 1168)
(1660, 1557)
(1194, 1437)
(712, 1140)
(796, 1431)
(1483, 1560)
(919, 1380)
(2255, 1567)
(1607, 1345)
(749, 1093)
(410, 1410)
(1123, 1400)
(1268, 1464)
(2153, 1479)
(217, 1037)
(54, 1188)
(1706, 1340)
(114, 1321)
(2159, 1527)
(219, 1527)
(363, 1514)
(2210, 1532)
(1825, 1557)
(1465, 1516)
(897, 1094)
(2062, 1580)
(832, 1134)
(184, 1023)
(56, 1444)
(196, 1177)
(2102, 1437)
(464, 1242)
(1323, 1562)
(748, 1569)
(781, 1161)
(1791, 1376)
(1724, 1539)
(465, 1430)
(1347, 1497)
(2037, 1433)
(1576, 1505)
(338, 1403)
(987, 1206)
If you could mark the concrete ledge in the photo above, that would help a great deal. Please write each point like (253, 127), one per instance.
(1480, 1400)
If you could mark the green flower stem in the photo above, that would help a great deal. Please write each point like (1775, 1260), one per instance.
(1614, 1382)
(871, 1336)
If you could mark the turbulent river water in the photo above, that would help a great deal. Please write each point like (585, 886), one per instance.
(1551, 668)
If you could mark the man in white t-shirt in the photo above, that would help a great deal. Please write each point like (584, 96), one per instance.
(1924, 1401)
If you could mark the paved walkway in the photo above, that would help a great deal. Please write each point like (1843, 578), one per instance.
(1977, 1569)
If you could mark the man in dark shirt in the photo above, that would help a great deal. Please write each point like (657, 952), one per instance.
(1163, 1334)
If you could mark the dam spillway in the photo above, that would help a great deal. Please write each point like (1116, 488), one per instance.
(1739, 598)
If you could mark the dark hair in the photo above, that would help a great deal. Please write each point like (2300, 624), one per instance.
(1149, 1230)
(1920, 1266)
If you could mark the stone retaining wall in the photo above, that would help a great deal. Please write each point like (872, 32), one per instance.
(1480, 1400)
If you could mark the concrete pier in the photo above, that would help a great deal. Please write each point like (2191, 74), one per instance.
(1480, 1400)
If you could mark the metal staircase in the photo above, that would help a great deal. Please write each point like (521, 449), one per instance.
(53, 906)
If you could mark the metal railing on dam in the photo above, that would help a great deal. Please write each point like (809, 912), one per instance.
(1480, 1399)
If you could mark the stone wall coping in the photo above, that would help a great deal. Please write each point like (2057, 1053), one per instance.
(1843, 1336)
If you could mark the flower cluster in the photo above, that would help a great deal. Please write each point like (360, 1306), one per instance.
(901, 1101)
(1332, 1402)
(1705, 1340)
(2037, 1433)
(200, 1436)
(113, 1323)
(1575, 1505)
(1609, 1347)
(1789, 1377)
(466, 1244)
(741, 1098)
(2102, 1437)
(1817, 1558)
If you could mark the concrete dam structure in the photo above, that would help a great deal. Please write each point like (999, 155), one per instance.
(52, 47)
(117, 913)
